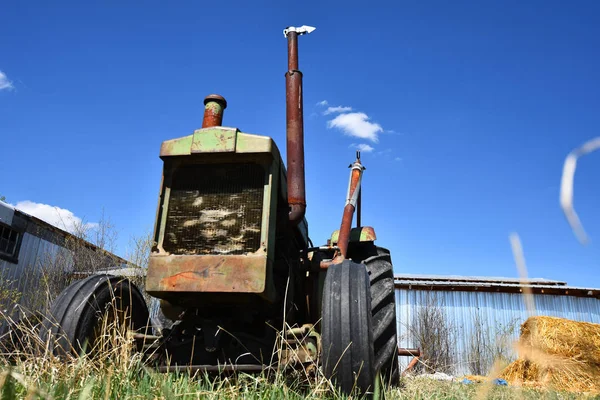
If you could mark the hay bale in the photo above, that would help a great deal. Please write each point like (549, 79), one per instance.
(522, 373)
(571, 377)
(557, 353)
(562, 337)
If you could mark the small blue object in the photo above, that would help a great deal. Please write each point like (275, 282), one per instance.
(467, 381)
(500, 382)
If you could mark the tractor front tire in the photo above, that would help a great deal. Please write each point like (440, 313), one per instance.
(347, 329)
(77, 315)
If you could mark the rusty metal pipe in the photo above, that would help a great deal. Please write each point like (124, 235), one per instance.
(346, 227)
(409, 352)
(352, 198)
(295, 133)
(214, 105)
(415, 353)
(359, 209)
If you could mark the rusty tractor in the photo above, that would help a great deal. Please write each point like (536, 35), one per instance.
(239, 282)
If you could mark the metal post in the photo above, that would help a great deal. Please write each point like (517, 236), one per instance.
(295, 127)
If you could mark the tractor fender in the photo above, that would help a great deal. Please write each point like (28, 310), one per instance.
(359, 234)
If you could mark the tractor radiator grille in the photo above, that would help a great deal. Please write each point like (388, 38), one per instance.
(215, 209)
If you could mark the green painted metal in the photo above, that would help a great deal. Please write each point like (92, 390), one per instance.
(176, 147)
(214, 140)
(228, 142)
(218, 140)
(362, 234)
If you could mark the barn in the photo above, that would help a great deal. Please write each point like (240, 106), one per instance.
(38, 260)
(466, 323)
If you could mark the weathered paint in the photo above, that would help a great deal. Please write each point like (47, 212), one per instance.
(361, 234)
(209, 273)
(242, 274)
(294, 117)
(244, 143)
(214, 140)
(351, 198)
(177, 147)
(214, 105)
(228, 142)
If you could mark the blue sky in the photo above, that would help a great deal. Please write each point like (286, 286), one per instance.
(476, 105)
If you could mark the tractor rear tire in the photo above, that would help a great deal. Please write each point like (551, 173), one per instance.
(347, 330)
(383, 303)
(76, 316)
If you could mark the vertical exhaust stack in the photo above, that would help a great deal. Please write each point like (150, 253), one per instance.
(295, 127)
(214, 105)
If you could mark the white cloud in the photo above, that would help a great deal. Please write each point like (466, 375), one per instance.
(59, 217)
(5, 84)
(397, 159)
(323, 103)
(356, 124)
(364, 148)
(338, 109)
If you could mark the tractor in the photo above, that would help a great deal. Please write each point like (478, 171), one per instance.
(234, 270)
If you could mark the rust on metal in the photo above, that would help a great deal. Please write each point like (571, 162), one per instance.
(208, 273)
(295, 133)
(359, 209)
(353, 191)
(302, 345)
(214, 140)
(415, 353)
(214, 105)
(409, 352)
(344, 237)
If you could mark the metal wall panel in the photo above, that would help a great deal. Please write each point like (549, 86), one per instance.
(497, 310)
(34, 254)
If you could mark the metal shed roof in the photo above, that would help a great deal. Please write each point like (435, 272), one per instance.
(491, 284)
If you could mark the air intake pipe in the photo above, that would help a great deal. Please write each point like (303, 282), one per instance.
(295, 127)
(214, 105)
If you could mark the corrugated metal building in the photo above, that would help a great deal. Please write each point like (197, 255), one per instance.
(481, 310)
(30, 246)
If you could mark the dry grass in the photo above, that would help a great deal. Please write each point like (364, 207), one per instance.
(29, 370)
(434, 333)
(557, 353)
(578, 341)
(567, 183)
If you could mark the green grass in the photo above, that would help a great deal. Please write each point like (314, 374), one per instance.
(48, 379)
(116, 373)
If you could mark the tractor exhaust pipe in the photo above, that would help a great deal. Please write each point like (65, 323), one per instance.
(295, 127)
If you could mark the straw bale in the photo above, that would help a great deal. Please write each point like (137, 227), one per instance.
(572, 377)
(562, 337)
(559, 354)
